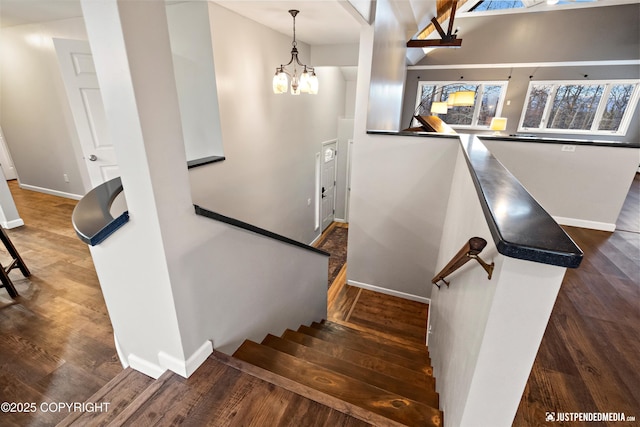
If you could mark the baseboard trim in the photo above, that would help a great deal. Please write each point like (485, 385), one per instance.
(391, 292)
(188, 367)
(315, 240)
(144, 366)
(583, 223)
(51, 192)
(340, 220)
(12, 224)
(123, 360)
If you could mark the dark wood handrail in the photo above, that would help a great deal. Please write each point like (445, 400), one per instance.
(469, 251)
(257, 230)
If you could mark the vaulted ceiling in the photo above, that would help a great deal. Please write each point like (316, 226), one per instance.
(320, 22)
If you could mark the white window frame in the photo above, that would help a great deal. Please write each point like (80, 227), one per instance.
(476, 111)
(624, 123)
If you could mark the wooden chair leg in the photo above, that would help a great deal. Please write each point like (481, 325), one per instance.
(7, 283)
(17, 259)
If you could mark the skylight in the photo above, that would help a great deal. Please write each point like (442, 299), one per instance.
(485, 5)
(488, 5)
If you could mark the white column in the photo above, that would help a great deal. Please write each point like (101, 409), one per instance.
(131, 50)
(9, 217)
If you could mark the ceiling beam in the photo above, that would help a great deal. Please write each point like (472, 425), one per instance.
(444, 11)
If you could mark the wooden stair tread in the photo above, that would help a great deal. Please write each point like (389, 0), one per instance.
(340, 406)
(365, 360)
(408, 360)
(419, 394)
(409, 349)
(118, 392)
(380, 334)
(364, 395)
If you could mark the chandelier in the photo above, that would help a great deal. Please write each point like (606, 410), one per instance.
(306, 82)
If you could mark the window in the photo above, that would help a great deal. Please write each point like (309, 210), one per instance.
(489, 97)
(485, 5)
(594, 107)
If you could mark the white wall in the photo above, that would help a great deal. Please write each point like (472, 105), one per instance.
(388, 69)
(334, 55)
(197, 281)
(193, 64)
(399, 192)
(485, 333)
(270, 141)
(36, 118)
(584, 188)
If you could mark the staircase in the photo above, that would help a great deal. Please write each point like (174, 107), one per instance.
(367, 366)
(378, 378)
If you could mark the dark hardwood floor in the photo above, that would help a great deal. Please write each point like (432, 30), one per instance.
(56, 340)
(589, 360)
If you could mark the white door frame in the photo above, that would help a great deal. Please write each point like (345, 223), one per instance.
(347, 192)
(335, 175)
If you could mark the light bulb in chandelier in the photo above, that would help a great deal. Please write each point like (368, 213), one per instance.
(313, 83)
(305, 81)
(280, 81)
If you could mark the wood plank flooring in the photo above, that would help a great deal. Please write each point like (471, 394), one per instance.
(588, 359)
(57, 343)
(56, 338)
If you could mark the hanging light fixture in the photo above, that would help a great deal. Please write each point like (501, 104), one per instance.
(306, 82)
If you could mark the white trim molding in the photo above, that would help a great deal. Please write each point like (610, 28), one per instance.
(527, 65)
(52, 192)
(183, 368)
(12, 224)
(584, 223)
(142, 365)
(188, 367)
(391, 292)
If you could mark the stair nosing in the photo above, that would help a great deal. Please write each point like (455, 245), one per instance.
(141, 399)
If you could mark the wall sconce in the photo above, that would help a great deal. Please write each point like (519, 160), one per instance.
(498, 124)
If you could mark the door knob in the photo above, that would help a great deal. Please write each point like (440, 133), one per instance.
(93, 157)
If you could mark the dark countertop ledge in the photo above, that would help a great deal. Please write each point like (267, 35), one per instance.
(520, 227)
(539, 140)
(514, 138)
(91, 217)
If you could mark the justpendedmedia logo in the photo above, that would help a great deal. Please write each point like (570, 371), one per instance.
(588, 416)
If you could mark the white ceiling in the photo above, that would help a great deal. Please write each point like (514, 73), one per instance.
(18, 12)
(319, 21)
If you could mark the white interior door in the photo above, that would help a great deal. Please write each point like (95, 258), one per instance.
(328, 191)
(85, 100)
